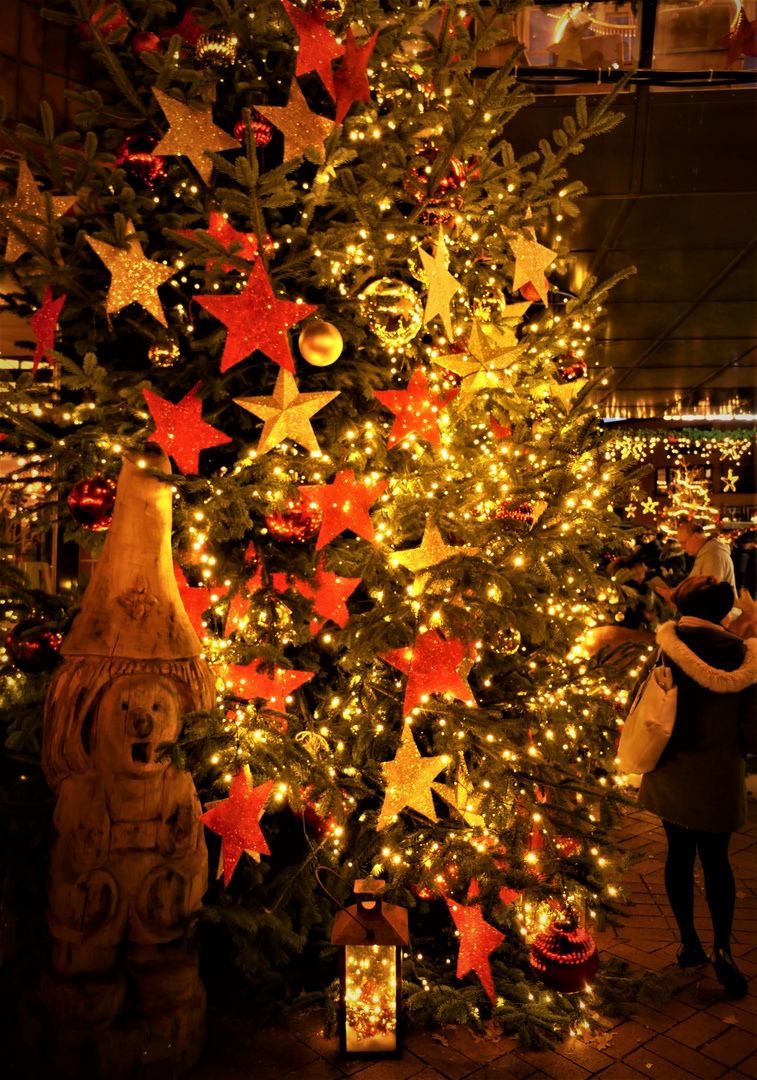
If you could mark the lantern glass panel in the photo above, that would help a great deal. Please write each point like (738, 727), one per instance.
(371, 998)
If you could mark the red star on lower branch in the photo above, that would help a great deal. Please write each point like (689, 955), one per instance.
(43, 324)
(250, 681)
(196, 600)
(318, 46)
(237, 819)
(344, 505)
(328, 592)
(433, 666)
(741, 41)
(350, 80)
(478, 940)
(220, 229)
(180, 429)
(415, 409)
(256, 320)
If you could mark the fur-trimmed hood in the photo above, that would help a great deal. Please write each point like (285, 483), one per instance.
(722, 682)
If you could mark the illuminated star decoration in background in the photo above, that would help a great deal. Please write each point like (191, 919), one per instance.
(30, 200)
(256, 320)
(649, 506)
(433, 666)
(344, 504)
(442, 285)
(220, 229)
(328, 592)
(478, 940)
(286, 413)
(300, 127)
(531, 262)
(408, 781)
(190, 133)
(318, 46)
(741, 41)
(195, 599)
(414, 408)
(350, 81)
(729, 481)
(134, 279)
(43, 324)
(250, 681)
(237, 821)
(180, 429)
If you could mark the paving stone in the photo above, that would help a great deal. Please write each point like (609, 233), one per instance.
(585, 1055)
(628, 1036)
(697, 1030)
(749, 1067)
(478, 1049)
(733, 1046)
(509, 1067)
(445, 1058)
(409, 1065)
(554, 1064)
(619, 1071)
(652, 1065)
(691, 1061)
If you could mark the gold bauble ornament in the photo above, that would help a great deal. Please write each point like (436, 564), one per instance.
(320, 343)
(164, 354)
(216, 49)
(507, 642)
(394, 311)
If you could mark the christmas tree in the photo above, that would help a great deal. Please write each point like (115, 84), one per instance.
(293, 245)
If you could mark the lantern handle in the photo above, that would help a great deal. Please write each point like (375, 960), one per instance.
(368, 929)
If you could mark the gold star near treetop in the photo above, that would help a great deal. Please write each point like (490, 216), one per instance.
(531, 262)
(191, 132)
(301, 127)
(483, 366)
(134, 278)
(442, 286)
(461, 797)
(408, 781)
(287, 413)
(30, 200)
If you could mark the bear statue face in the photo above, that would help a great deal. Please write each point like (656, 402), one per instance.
(135, 715)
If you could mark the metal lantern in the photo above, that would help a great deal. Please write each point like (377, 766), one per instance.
(370, 934)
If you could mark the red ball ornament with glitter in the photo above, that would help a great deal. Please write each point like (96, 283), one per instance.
(91, 503)
(572, 368)
(295, 525)
(134, 155)
(32, 647)
(446, 185)
(146, 42)
(564, 957)
(262, 129)
(330, 9)
(522, 512)
(530, 292)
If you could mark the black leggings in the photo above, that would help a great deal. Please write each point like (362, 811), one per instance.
(719, 886)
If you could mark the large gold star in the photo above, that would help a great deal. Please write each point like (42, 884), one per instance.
(567, 391)
(30, 200)
(408, 781)
(462, 797)
(483, 366)
(301, 127)
(287, 413)
(431, 552)
(531, 262)
(134, 278)
(442, 286)
(191, 132)
(567, 50)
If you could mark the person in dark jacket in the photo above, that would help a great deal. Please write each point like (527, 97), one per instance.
(698, 786)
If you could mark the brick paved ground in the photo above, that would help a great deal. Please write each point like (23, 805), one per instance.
(697, 1033)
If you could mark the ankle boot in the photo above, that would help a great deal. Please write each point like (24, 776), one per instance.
(728, 974)
(691, 955)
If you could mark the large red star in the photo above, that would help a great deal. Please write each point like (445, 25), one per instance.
(328, 592)
(741, 41)
(196, 599)
(350, 80)
(43, 324)
(237, 820)
(220, 229)
(415, 409)
(180, 429)
(249, 681)
(432, 666)
(256, 320)
(318, 47)
(344, 505)
(478, 940)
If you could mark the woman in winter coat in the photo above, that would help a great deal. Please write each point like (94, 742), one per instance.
(698, 787)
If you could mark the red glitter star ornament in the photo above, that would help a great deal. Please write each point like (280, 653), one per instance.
(328, 592)
(237, 821)
(350, 81)
(741, 41)
(344, 505)
(415, 409)
(318, 46)
(433, 666)
(256, 320)
(43, 324)
(180, 429)
(250, 681)
(196, 600)
(189, 29)
(220, 229)
(478, 940)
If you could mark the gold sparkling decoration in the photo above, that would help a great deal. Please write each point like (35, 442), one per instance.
(191, 132)
(490, 353)
(566, 392)
(301, 128)
(393, 310)
(320, 343)
(431, 552)
(650, 506)
(507, 642)
(164, 354)
(442, 285)
(531, 262)
(216, 49)
(30, 200)
(134, 278)
(408, 781)
(286, 413)
(729, 481)
(462, 798)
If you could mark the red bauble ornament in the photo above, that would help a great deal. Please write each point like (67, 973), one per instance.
(522, 512)
(104, 27)
(330, 9)
(446, 185)
(297, 524)
(146, 42)
(91, 503)
(262, 129)
(573, 368)
(32, 647)
(530, 292)
(134, 155)
(564, 957)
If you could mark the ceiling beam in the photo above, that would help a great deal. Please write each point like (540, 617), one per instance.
(707, 378)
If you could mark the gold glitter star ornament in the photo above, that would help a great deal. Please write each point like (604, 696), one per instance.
(408, 781)
(134, 278)
(302, 129)
(190, 133)
(442, 286)
(286, 413)
(30, 200)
